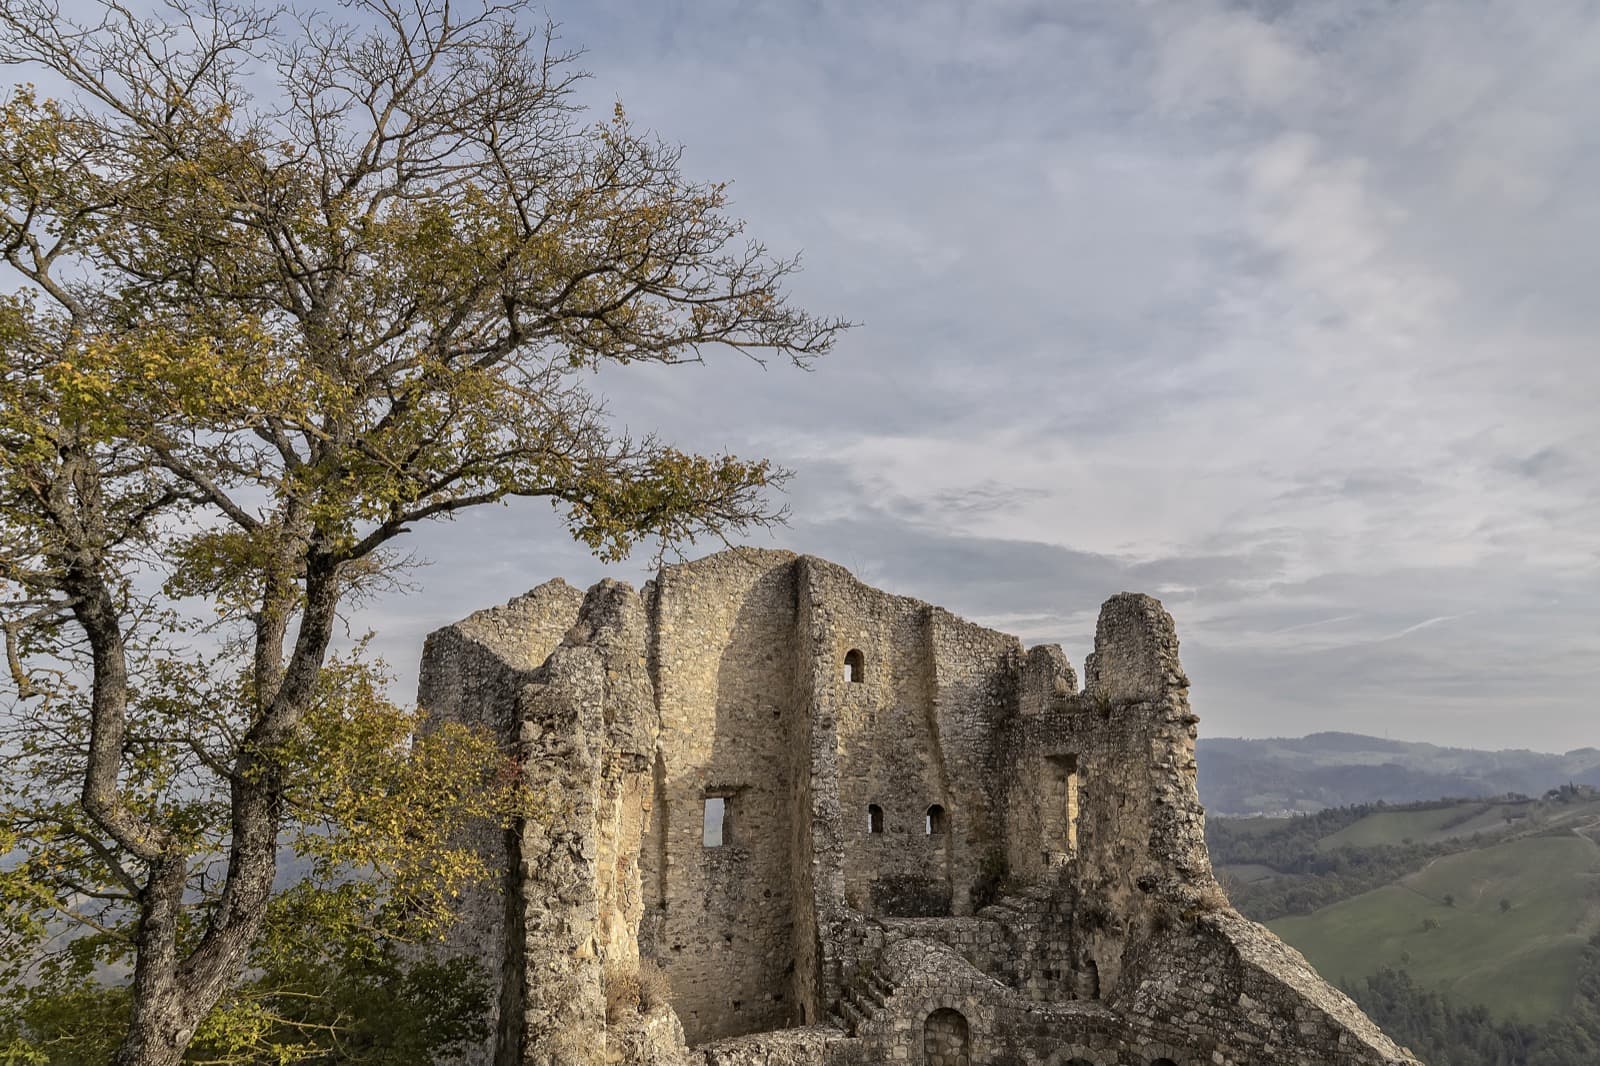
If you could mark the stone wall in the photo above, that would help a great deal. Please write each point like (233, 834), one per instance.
(935, 848)
(906, 808)
(587, 729)
(974, 698)
(474, 672)
(725, 670)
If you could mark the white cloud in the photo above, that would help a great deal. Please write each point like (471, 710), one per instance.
(1212, 57)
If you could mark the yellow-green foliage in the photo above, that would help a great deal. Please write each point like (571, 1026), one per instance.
(244, 348)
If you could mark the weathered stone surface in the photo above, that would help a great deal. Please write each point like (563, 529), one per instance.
(853, 828)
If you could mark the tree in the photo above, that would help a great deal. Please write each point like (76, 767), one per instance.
(252, 343)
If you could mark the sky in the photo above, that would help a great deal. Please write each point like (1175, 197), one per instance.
(1282, 312)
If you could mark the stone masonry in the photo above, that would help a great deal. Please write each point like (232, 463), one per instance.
(851, 828)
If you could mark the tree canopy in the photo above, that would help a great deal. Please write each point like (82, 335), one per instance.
(281, 287)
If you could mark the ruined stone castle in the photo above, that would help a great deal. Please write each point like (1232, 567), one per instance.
(852, 828)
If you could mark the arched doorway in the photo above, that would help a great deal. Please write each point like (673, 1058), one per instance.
(946, 1041)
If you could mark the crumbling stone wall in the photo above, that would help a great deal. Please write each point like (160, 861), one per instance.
(1102, 785)
(587, 732)
(887, 750)
(727, 696)
(1062, 910)
(474, 672)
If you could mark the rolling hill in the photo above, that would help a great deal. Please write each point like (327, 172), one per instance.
(1474, 925)
(1338, 769)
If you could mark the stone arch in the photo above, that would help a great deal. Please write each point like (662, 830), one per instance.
(938, 821)
(855, 666)
(946, 1039)
(874, 819)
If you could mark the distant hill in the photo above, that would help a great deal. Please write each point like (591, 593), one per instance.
(1340, 769)
(1468, 928)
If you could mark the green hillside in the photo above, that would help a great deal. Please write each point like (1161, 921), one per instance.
(1430, 824)
(1485, 902)
(1519, 963)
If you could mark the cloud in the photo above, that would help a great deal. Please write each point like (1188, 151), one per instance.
(1283, 310)
(1215, 58)
(1419, 626)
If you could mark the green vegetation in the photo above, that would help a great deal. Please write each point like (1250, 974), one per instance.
(307, 1006)
(1440, 1031)
(1289, 868)
(279, 288)
(1467, 928)
(1275, 867)
(1520, 963)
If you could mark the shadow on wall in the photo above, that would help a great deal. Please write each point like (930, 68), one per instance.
(725, 902)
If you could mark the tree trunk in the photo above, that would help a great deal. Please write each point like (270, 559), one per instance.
(172, 996)
(159, 1026)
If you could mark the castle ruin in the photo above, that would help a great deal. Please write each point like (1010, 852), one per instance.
(852, 828)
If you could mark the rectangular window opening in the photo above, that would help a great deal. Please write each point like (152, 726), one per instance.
(716, 829)
(1061, 812)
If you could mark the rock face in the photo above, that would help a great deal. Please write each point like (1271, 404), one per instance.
(851, 828)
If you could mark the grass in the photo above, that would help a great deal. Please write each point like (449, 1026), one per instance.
(1256, 826)
(1520, 963)
(1395, 827)
(1456, 821)
(1248, 872)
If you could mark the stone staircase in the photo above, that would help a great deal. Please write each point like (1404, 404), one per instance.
(864, 1000)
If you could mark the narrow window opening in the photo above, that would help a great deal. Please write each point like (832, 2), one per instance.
(1060, 821)
(936, 820)
(855, 666)
(717, 828)
(874, 818)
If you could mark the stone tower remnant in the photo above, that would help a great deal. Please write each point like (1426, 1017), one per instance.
(852, 828)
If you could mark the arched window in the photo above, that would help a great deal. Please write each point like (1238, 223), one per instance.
(936, 820)
(855, 666)
(946, 1040)
(1087, 983)
(874, 818)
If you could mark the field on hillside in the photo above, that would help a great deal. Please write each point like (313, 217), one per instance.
(1488, 902)
(1426, 825)
(1519, 963)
